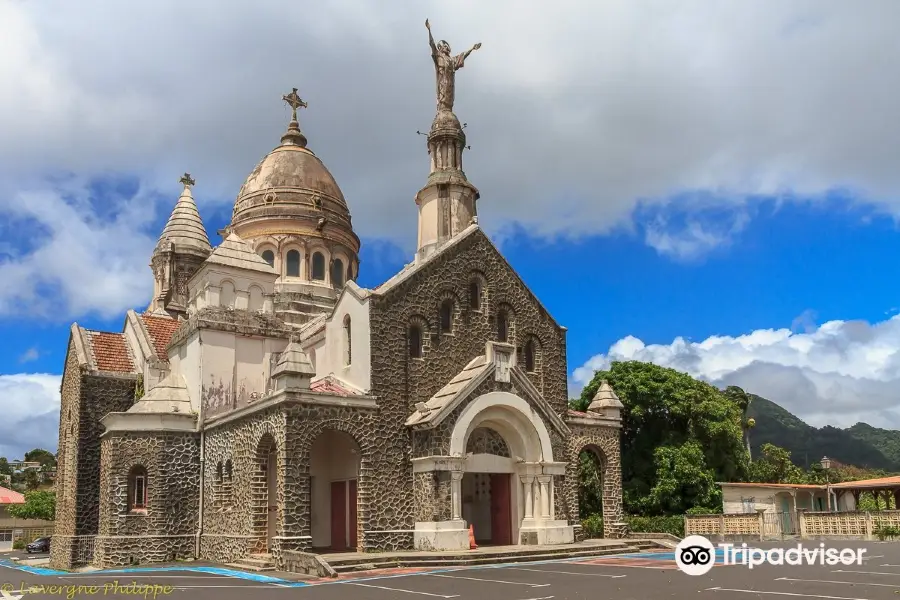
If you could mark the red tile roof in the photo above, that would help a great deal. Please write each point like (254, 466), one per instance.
(328, 385)
(577, 413)
(110, 352)
(798, 486)
(161, 330)
(11, 497)
(882, 482)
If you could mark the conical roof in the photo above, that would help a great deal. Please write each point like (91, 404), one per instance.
(185, 228)
(235, 252)
(168, 396)
(294, 361)
(605, 398)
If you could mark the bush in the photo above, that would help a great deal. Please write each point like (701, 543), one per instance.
(19, 544)
(886, 532)
(592, 526)
(702, 510)
(664, 524)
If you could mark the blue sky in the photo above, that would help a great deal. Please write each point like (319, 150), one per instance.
(710, 190)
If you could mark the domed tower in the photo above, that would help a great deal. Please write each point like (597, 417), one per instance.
(181, 249)
(291, 210)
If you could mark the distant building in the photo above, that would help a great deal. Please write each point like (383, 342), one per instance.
(7, 498)
(25, 465)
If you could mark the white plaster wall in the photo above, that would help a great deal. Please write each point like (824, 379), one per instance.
(251, 366)
(334, 457)
(331, 358)
(185, 360)
(219, 285)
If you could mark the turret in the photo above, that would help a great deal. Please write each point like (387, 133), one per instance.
(181, 249)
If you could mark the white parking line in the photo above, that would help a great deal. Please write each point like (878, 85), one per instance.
(494, 580)
(890, 585)
(565, 572)
(719, 589)
(865, 572)
(380, 587)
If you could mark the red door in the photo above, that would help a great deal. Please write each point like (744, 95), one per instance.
(352, 506)
(501, 519)
(338, 515)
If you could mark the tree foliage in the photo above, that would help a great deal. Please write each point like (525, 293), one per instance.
(38, 505)
(45, 457)
(679, 436)
(5, 469)
(774, 465)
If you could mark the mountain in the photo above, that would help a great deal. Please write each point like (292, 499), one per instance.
(861, 445)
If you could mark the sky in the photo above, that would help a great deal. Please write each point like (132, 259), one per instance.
(711, 187)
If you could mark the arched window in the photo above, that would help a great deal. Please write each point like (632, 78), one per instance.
(347, 341)
(227, 481)
(414, 340)
(293, 263)
(447, 316)
(337, 273)
(474, 295)
(318, 266)
(529, 356)
(137, 488)
(503, 326)
(269, 257)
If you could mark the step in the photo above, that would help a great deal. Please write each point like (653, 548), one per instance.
(473, 560)
(415, 557)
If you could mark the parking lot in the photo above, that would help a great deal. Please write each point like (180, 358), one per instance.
(626, 577)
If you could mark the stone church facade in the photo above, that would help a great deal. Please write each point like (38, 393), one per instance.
(266, 404)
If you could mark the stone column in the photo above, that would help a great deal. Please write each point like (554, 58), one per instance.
(544, 481)
(456, 495)
(528, 486)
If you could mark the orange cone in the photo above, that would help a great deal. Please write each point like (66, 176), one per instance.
(472, 544)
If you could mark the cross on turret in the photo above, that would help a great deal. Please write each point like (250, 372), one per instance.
(187, 180)
(294, 101)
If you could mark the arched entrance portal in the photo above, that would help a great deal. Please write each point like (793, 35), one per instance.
(487, 485)
(591, 468)
(264, 493)
(508, 469)
(334, 472)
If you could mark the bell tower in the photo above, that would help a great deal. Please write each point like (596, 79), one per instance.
(447, 202)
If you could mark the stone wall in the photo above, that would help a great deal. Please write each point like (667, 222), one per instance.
(604, 442)
(85, 399)
(167, 529)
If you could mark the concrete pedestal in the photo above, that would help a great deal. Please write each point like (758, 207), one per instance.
(441, 535)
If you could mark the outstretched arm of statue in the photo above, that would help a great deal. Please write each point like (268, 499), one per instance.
(430, 37)
(461, 59)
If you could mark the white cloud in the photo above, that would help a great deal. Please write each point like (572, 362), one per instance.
(578, 111)
(30, 403)
(86, 259)
(839, 373)
(29, 355)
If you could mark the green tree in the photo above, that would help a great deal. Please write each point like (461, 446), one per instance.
(5, 469)
(775, 466)
(38, 505)
(32, 480)
(666, 409)
(590, 485)
(45, 457)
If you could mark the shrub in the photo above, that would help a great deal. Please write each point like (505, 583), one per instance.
(886, 532)
(702, 510)
(592, 526)
(19, 544)
(663, 524)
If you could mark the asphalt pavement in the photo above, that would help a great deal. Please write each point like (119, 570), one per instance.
(627, 577)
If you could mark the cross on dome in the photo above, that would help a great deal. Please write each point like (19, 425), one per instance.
(294, 101)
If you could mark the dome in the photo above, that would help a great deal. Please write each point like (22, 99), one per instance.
(291, 192)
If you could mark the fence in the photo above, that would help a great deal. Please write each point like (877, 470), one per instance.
(82, 550)
(797, 524)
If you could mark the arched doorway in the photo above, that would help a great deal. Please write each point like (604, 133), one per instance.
(591, 465)
(508, 425)
(334, 473)
(264, 493)
(487, 488)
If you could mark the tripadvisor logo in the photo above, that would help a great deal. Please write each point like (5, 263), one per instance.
(696, 555)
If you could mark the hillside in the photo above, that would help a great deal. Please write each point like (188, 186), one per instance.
(861, 445)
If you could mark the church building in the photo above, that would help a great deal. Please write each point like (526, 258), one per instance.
(266, 404)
